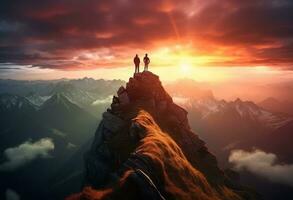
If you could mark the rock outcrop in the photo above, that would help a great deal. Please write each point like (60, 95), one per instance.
(119, 137)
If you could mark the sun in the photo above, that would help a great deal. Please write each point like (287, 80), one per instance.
(185, 68)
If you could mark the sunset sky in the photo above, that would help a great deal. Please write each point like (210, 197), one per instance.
(207, 40)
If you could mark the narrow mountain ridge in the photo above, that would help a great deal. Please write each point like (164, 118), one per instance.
(145, 138)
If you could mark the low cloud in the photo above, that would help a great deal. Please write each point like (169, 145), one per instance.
(24, 153)
(11, 195)
(107, 100)
(262, 164)
(181, 100)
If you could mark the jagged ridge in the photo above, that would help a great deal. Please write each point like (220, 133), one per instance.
(115, 142)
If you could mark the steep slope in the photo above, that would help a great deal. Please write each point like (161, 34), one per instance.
(67, 180)
(247, 111)
(66, 124)
(21, 120)
(89, 94)
(36, 99)
(276, 105)
(55, 111)
(77, 96)
(14, 103)
(225, 125)
(14, 109)
(279, 142)
(158, 145)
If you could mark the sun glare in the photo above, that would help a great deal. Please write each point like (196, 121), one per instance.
(185, 68)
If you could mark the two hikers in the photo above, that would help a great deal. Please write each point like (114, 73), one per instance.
(146, 61)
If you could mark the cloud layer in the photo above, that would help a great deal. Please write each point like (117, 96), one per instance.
(24, 153)
(75, 34)
(262, 164)
(11, 195)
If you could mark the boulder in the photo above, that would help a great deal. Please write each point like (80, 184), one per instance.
(115, 100)
(123, 98)
(112, 122)
(121, 90)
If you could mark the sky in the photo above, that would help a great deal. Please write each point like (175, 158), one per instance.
(207, 40)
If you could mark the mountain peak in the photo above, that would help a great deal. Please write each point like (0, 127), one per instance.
(146, 85)
(139, 109)
(87, 79)
(62, 87)
(9, 101)
(238, 101)
(58, 99)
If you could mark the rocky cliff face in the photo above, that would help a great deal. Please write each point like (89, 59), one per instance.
(120, 137)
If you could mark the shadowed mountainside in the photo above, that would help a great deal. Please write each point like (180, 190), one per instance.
(152, 154)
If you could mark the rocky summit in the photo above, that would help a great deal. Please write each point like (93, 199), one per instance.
(145, 137)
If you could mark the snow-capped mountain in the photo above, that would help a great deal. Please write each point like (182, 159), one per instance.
(13, 110)
(36, 99)
(77, 96)
(9, 102)
(83, 92)
(242, 110)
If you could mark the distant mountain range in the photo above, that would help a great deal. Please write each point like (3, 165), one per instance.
(275, 105)
(45, 87)
(230, 125)
(14, 108)
(64, 111)
(68, 111)
(226, 125)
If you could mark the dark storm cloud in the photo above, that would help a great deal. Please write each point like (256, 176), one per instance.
(8, 68)
(250, 22)
(48, 33)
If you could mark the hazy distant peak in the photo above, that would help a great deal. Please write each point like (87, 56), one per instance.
(88, 79)
(238, 100)
(63, 87)
(9, 101)
(271, 99)
(57, 99)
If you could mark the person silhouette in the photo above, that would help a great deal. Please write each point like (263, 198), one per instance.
(146, 61)
(136, 61)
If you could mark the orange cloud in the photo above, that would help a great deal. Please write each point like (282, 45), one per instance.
(233, 33)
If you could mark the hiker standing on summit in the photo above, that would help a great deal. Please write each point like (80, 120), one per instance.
(136, 61)
(146, 61)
